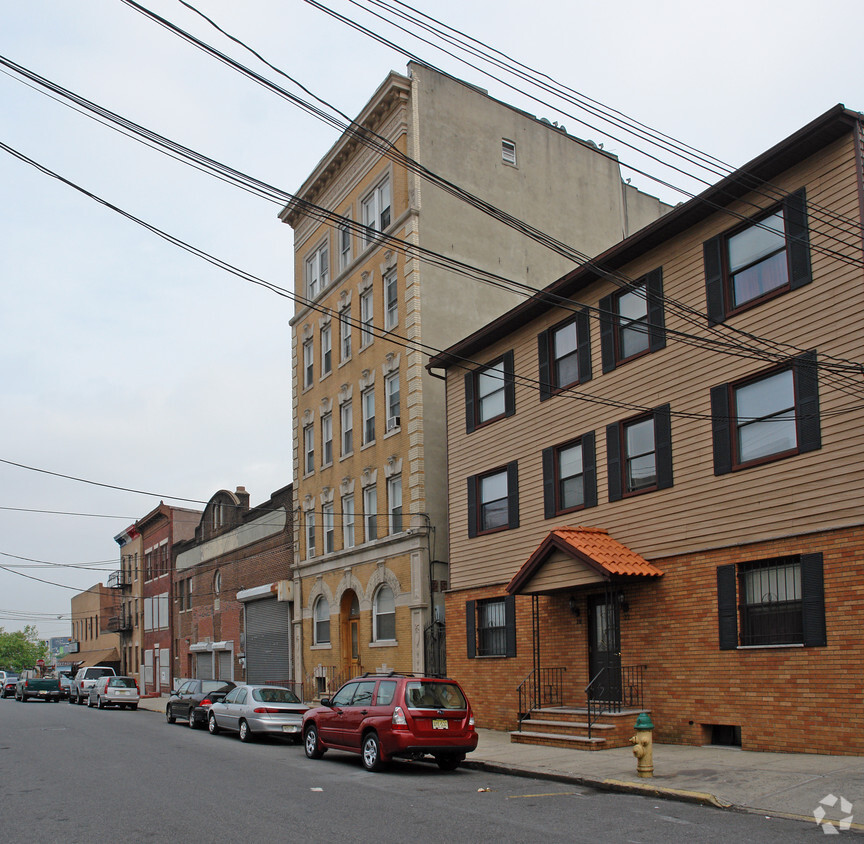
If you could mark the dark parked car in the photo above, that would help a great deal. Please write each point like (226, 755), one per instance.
(8, 681)
(191, 700)
(382, 717)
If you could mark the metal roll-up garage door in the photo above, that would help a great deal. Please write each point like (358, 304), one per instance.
(268, 641)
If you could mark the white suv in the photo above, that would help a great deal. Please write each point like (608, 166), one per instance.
(84, 679)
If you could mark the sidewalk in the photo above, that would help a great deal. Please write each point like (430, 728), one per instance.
(776, 784)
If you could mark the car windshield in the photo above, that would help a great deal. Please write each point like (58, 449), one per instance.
(429, 695)
(273, 695)
(122, 682)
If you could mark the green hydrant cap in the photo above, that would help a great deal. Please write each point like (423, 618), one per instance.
(644, 722)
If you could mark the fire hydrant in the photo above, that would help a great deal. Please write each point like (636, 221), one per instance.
(643, 745)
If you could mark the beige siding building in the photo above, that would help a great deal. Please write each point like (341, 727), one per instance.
(664, 512)
(379, 291)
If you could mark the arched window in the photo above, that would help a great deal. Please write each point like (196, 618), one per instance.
(217, 583)
(384, 613)
(322, 621)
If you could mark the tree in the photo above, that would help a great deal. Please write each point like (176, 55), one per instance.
(21, 649)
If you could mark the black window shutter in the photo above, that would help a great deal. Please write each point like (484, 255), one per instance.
(549, 508)
(512, 495)
(472, 506)
(721, 426)
(813, 600)
(545, 370)
(807, 419)
(583, 344)
(589, 469)
(727, 608)
(663, 445)
(798, 239)
(656, 318)
(510, 622)
(713, 254)
(469, 402)
(509, 385)
(471, 628)
(607, 333)
(613, 461)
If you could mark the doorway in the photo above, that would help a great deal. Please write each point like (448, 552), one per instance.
(604, 647)
(349, 612)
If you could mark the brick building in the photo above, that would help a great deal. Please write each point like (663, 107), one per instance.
(233, 590)
(93, 642)
(656, 484)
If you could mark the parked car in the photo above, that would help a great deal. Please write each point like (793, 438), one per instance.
(84, 679)
(7, 683)
(31, 684)
(191, 700)
(253, 710)
(65, 679)
(114, 691)
(382, 717)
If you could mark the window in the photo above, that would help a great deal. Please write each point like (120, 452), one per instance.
(384, 614)
(370, 513)
(344, 246)
(308, 364)
(345, 333)
(348, 521)
(376, 211)
(761, 259)
(217, 583)
(326, 439)
(778, 601)
(391, 397)
(569, 477)
(564, 353)
(632, 321)
(328, 527)
(367, 319)
(490, 392)
(639, 454)
(326, 350)
(308, 449)
(310, 533)
(493, 501)
(322, 621)
(346, 415)
(491, 627)
(767, 417)
(508, 152)
(391, 300)
(368, 404)
(317, 271)
(394, 504)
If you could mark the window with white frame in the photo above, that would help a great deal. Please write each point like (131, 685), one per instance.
(317, 271)
(328, 527)
(308, 364)
(348, 521)
(310, 533)
(394, 504)
(368, 403)
(384, 612)
(322, 621)
(370, 512)
(326, 350)
(391, 299)
(508, 151)
(376, 210)
(345, 333)
(344, 246)
(346, 414)
(308, 449)
(367, 319)
(391, 397)
(326, 439)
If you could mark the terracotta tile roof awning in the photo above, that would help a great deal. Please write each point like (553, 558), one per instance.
(569, 557)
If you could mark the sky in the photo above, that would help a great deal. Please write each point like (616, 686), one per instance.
(127, 362)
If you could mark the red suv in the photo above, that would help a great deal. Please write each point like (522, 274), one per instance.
(382, 717)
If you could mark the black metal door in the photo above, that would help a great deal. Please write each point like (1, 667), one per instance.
(604, 647)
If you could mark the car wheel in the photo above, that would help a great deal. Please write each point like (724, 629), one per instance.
(244, 732)
(448, 763)
(133, 706)
(89, 702)
(100, 704)
(310, 743)
(169, 715)
(193, 724)
(212, 725)
(372, 752)
(79, 700)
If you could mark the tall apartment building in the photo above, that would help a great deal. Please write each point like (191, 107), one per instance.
(371, 545)
(128, 617)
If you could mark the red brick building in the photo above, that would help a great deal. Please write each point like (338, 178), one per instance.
(233, 593)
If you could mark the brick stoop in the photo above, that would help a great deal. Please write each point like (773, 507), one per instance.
(565, 726)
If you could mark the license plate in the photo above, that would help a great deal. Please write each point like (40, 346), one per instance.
(290, 728)
(122, 692)
(43, 692)
(440, 723)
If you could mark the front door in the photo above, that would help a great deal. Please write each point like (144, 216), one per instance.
(350, 612)
(604, 648)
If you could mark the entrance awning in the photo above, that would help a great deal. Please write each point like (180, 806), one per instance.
(571, 557)
(90, 658)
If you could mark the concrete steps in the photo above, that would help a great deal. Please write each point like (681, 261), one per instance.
(567, 726)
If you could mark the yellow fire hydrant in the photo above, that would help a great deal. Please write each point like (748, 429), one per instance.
(643, 745)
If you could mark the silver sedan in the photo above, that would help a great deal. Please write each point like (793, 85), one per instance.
(252, 710)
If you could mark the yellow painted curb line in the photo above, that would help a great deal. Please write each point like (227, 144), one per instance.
(660, 791)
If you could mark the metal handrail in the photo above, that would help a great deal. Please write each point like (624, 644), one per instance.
(542, 687)
(630, 691)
